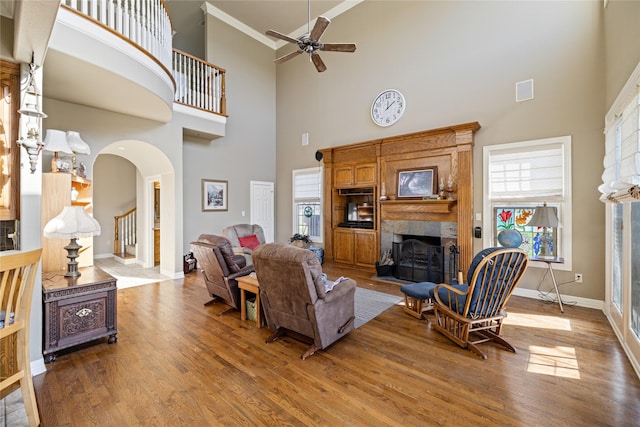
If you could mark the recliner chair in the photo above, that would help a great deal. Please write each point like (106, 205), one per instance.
(220, 268)
(294, 299)
(242, 233)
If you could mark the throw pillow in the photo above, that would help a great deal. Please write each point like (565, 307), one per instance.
(249, 242)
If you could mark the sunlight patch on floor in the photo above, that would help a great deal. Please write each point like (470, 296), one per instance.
(538, 321)
(556, 361)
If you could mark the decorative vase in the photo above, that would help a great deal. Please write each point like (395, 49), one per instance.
(510, 238)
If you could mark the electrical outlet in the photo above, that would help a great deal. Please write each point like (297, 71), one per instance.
(578, 277)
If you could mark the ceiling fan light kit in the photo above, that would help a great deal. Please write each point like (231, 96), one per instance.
(310, 43)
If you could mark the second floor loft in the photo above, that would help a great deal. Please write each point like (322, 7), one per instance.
(116, 55)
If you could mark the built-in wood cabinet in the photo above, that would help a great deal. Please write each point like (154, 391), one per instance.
(343, 245)
(56, 194)
(9, 150)
(355, 175)
(375, 165)
(355, 246)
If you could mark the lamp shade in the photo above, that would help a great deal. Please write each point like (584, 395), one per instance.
(76, 143)
(544, 216)
(71, 223)
(56, 140)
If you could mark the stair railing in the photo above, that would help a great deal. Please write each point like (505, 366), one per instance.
(124, 232)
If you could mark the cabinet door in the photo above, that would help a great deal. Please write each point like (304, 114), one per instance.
(343, 176)
(365, 174)
(343, 246)
(365, 253)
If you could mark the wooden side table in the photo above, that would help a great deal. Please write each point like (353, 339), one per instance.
(249, 283)
(78, 309)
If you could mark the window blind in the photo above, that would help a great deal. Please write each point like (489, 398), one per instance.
(532, 173)
(621, 175)
(306, 185)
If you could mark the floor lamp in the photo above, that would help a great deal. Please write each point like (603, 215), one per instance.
(73, 222)
(545, 217)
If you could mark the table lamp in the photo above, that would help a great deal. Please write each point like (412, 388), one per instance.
(71, 223)
(78, 146)
(545, 217)
(56, 141)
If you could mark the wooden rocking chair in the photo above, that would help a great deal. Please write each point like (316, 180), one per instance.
(470, 314)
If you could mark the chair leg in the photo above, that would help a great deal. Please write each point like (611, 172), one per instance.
(310, 351)
(26, 382)
(280, 332)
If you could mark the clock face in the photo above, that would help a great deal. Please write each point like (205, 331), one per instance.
(388, 107)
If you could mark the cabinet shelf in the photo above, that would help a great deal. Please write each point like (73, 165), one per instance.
(436, 206)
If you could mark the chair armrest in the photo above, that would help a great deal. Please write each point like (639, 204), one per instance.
(238, 250)
(453, 293)
(342, 289)
(244, 271)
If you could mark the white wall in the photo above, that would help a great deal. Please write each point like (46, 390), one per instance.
(247, 151)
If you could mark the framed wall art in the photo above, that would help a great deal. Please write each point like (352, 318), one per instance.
(418, 182)
(214, 195)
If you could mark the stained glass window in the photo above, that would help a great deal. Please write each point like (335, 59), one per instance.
(510, 217)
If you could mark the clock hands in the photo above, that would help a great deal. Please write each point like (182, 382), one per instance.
(389, 106)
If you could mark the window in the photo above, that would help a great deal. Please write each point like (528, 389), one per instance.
(307, 203)
(621, 191)
(520, 176)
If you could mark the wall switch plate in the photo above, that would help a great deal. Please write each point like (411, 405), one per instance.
(305, 139)
(478, 216)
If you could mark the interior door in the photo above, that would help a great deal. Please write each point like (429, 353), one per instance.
(262, 207)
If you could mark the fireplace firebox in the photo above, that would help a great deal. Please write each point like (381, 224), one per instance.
(418, 261)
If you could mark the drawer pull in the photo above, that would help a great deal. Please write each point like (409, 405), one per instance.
(84, 312)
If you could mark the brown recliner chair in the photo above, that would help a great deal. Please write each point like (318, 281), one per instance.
(293, 296)
(244, 231)
(220, 267)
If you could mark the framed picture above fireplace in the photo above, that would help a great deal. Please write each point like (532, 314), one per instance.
(416, 183)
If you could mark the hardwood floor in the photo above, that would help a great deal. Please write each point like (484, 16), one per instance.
(178, 362)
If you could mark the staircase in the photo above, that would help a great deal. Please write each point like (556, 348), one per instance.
(125, 241)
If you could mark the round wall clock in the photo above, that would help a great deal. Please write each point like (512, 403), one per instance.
(388, 107)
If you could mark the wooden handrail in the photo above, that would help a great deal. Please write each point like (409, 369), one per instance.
(119, 244)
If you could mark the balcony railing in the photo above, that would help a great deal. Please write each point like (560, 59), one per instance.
(198, 83)
(147, 24)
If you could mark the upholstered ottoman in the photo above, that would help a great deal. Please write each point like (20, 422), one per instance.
(417, 298)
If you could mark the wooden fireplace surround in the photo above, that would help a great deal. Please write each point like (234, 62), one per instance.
(375, 164)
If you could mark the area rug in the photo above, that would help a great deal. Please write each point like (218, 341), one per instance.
(369, 304)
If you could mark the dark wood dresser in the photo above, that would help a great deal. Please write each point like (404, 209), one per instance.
(78, 310)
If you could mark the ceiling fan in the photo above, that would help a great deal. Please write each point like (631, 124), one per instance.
(310, 42)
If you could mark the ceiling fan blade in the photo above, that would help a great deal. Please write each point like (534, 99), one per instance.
(317, 61)
(320, 26)
(338, 47)
(287, 57)
(281, 36)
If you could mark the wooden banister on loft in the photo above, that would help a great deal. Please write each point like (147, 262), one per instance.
(124, 233)
(199, 84)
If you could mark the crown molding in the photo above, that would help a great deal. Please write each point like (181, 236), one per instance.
(242, 27)
(238, 25)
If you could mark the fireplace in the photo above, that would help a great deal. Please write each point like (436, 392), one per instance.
(442, 235)
(418, 260)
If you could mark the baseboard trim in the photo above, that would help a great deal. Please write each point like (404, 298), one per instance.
(566, 299)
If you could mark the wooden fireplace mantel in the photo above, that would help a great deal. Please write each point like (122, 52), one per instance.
(375, 164)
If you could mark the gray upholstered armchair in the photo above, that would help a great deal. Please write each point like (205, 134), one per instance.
(220, 268)
(242, 240)
(294, 299)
